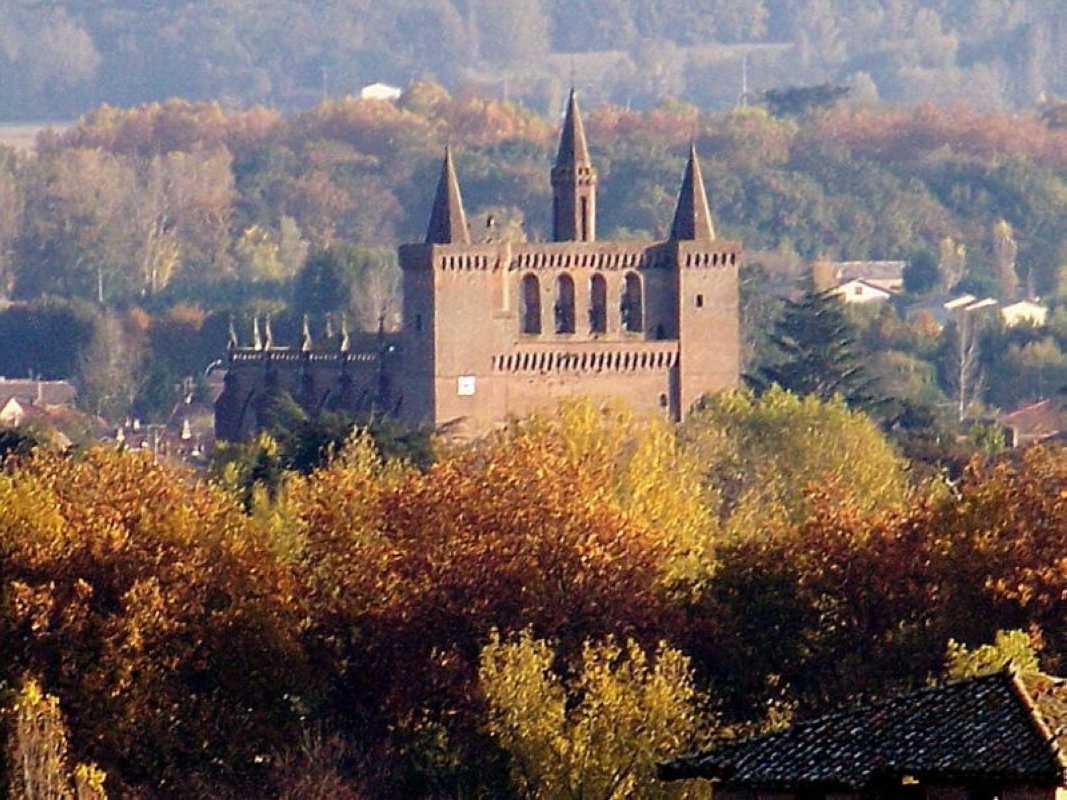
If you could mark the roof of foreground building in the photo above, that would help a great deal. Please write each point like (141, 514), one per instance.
(1002, 727)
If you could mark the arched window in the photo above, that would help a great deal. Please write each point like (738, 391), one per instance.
(564, 304)
(598, 304)
(631, 306)
(531, 305)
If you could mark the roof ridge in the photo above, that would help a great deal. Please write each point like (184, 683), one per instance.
(1046, 731)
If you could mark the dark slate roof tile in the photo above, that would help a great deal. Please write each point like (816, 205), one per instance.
(993, 726)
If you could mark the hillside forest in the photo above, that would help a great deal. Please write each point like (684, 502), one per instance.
(990, 54)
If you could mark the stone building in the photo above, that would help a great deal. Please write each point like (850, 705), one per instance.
(494, 329)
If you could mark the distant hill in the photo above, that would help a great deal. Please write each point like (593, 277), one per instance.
(990, 54)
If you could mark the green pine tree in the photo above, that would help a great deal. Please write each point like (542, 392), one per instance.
(817, 352)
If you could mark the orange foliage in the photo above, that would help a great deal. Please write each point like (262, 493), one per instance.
(855, 603)
(911, 134)
(180, 125)
(514, 535)
(154, 611)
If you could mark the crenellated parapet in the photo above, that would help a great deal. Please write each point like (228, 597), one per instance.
(327, 375)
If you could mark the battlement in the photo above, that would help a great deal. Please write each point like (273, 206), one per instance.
(279, 355)
(603, 256)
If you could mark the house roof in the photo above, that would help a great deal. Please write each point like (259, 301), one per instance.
(53, 393)
(868, 270)
(1001, 727)
(878, 286)
(1036, 420)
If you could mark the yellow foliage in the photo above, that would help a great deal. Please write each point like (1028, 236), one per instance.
(37, 753)
(1014, 648)
(600, 734)
(636, 464)
(764, 454)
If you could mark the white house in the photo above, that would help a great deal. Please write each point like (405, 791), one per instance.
(380, 91)
(863, 291)
(1024, 311)
(12, 413)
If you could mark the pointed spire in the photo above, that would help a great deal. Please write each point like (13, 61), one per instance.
(573, 150)
(257, 342)
(268, 334)
(692, 219)
(448, 222)
(232, 344)
(328, 333)
(305, 336)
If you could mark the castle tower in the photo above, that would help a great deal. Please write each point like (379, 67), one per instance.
(709, 348)
(448, 221)
(573, 182)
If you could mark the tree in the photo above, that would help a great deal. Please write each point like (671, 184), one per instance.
(107, 372)
(796, 101)
(762, 455)
(961, 362)
(375, 279)
(130, 603)
(533, 527)
(11, 209)
(921, 274)
(1009, 648)
(817, 351)
(600, 733)
(952, 263)
(37, 753)
(322, 285)
(1005, 251)
(77, 215)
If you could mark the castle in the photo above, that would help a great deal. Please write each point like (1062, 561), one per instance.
(496, 329)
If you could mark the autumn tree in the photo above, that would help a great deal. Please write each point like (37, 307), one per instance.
(37, 759)
(76, 213)
(1014, 649)
(952, 263)
(567, 524)
(130, 604)
(761, 456)
(600, 733)
(1005, 252)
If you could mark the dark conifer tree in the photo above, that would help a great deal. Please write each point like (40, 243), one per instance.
(817, 351)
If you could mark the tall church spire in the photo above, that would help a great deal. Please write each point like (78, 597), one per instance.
(573, 149)
(448, 222)
(692, 218)
(573, 182)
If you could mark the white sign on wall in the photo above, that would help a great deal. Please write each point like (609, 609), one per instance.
(466, 386)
